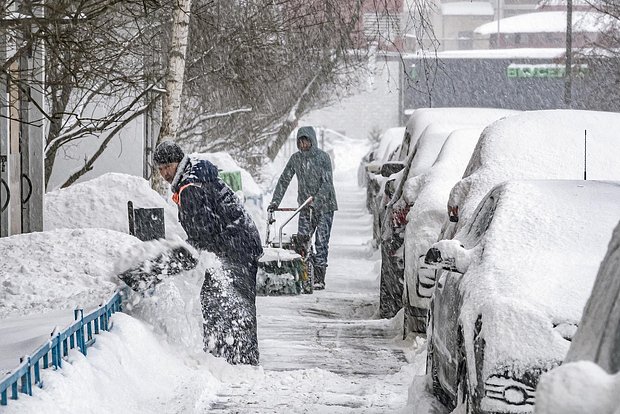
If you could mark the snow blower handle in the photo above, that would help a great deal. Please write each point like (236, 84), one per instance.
(296, 211)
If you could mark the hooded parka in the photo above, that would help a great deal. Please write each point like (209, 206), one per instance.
(313, 169)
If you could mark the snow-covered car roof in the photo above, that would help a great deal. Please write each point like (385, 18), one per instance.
(388, 142)
(540, 145)
(423, 117)
(534, 249)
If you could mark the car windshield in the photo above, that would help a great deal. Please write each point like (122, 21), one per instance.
(481, 221)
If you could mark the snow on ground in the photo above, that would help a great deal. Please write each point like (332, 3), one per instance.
(577, 388)
(102, 203)
(324, 353)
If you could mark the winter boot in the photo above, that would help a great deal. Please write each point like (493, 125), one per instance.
(319, 277)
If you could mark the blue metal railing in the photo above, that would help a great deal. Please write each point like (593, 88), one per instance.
(81, 333)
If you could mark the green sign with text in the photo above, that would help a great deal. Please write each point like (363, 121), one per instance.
(543, 71)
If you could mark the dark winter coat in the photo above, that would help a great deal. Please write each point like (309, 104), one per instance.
(215, 220)
(212, 215)
(313, 169)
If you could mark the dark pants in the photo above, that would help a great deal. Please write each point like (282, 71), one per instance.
(321, 223)
(229, 312)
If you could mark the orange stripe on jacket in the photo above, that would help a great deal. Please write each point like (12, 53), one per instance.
(176, 197)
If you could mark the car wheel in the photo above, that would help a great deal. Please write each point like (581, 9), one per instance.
(432, 369)
(463, 395)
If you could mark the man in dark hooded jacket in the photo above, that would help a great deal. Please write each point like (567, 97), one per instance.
(313, 169)
(215, 220)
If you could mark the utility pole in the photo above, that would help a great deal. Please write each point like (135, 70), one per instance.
(568, 71)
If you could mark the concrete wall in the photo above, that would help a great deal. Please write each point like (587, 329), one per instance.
(519, 83)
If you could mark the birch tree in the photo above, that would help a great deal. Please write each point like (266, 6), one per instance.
(171, 107)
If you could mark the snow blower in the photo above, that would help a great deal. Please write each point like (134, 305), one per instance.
(286, 265)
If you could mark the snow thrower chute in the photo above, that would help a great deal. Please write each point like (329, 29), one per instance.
(286, 265)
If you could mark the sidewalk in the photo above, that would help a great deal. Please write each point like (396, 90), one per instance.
(326, 352)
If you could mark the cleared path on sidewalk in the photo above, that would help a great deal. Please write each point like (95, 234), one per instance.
(327, 352)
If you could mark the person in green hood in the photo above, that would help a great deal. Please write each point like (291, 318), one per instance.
(313, 168)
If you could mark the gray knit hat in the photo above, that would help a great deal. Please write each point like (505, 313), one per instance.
(168, 152)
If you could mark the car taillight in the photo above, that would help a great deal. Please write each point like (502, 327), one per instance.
(453, 213)
(399, 216)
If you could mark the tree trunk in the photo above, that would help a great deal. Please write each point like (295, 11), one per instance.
(171, 105)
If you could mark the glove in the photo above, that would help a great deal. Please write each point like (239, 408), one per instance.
(272, 207)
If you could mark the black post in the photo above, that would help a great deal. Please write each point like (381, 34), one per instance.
(132, 229)
(585, 154)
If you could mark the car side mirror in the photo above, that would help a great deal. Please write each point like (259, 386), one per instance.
(390, 188)
(448, 255)
(373, 167)
(391, 167)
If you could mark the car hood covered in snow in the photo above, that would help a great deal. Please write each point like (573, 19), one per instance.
(535, 264)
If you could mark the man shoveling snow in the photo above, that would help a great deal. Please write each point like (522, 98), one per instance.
(214, 220)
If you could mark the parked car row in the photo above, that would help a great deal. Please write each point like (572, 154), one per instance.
(425, 133)
(491, 242)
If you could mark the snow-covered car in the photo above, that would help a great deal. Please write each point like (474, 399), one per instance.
(378, 169)
(428, 193)
(511, 289)
(425, 133)
(385, 147)
(554, 144)
(589, 381)
(393, 219)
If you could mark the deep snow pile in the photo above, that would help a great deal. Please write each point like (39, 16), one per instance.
(102, 203)
(129, 369)
(77, 264)
(578, 388)
(59, 269)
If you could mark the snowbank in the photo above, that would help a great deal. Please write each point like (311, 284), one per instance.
(127, 369)
(578, 388)
(59, 269)
(102, 203)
